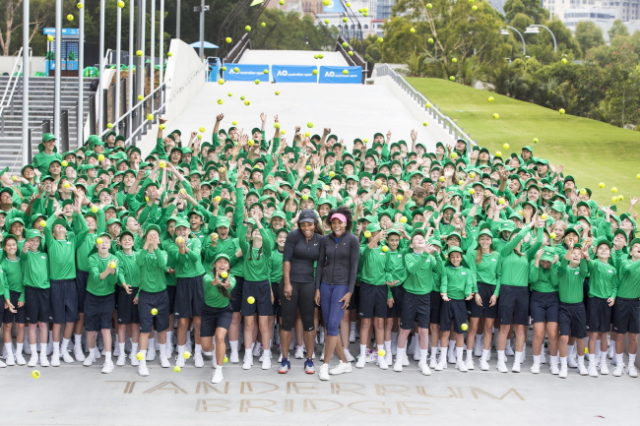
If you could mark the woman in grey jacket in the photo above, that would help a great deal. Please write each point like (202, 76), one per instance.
(335, 279)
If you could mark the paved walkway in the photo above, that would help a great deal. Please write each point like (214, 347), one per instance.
(77, 395)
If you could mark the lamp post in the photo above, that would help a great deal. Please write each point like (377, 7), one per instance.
(25, 82)
(81, 75)
(56, 90)
(505, 32)
(535, 29)
(178, 12)
(101, 64)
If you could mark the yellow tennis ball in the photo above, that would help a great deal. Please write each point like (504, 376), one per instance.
(561, 111)
(214, 236)
(79, 5)
(304, 197)
(474, 7)
(140, 97)
(186, 355)
(150, 117)
(385, 249)
(63, 163)
(460, 182)
(221, 81)
(583, 192)
(235, 123)
(162, 164)
(345, 72)
(50, 38)
(601, 185)
(247, 102)
(112, 265)
(502, 201)
(472, 191)
(100, 157)
(66, 185)
(70, 17)
(638, 176)
(169, 54)
(224, 275)
(146, 198)
(251, 300)
(453, 155)
(308, 168)
(35, 374)
(220, 101)
(15, 178)
(403, 219)
(614, 189)
(412, 30)
(277, 92)
(177, 369)
(367, 234)
(228, 40)
(42, 223)
(452, 77)
(281, 2)
(139, 356)
(491, 99)
(425, 124)
(472, 175)
(251, 142)
(154, 311)
(332, 173)
(247, 28)
(382, 352)
(442, 178)
(179, 240)
(544, 217)
(218, 198)
(498, 154)
(535, 140)
(225, 360)
(552, 235)
(121, 4)
(257, 81)
(94, 209)
(399, 197)
(139, 53)
(464, 326)
(496, 116)
(506, 146)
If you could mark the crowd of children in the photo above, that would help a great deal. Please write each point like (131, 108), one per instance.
(201, 247)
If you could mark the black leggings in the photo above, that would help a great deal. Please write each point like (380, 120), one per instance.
(301, 298)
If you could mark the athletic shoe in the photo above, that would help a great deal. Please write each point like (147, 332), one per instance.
(372, 356)
(347, 354)
(604, 366)
(107, 367)
(10, 360)
(151, 354)
(341, 368)
(535, 368)
(397, 366)
(508, 350)
(77, 353)
(309, 368)
(388, 358)
(515, 368)
(554, 368)
(461, 366)
(266, 363)
(33, 360)
(44, 361)
(323, 374)
(20, 359)
(143, 370)
(2, 364)
(362, 361)
(593, 369)
(248, 361)
(299, 353)
(424, 369)
(180, 361)
(198, 360)
(451, 356)
(382, 363)
(617, 372)
(122, 360)
(469, 363)
(133, 360)
(88, 361)
(234, 358)
(563, 372)
(164, 361)
(502, 367)
(217, 375)
(66, 357)
(572, 362)
(632, 371)
(433, 361)
(257, 349)
(405, 361)
(285, 366)
(582, 369)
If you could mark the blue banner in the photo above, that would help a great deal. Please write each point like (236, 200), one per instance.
(246, 72)
(340, 75)
(294, 73)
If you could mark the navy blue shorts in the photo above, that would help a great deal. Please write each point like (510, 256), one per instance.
(262, 298)
(19, 317)
(354, 302)
(236, 295)
(275, 290)
(626, 316)
(485, 311)
(436, 307)
(213, 318)
(189, 297)
(599, 315)
(572, 320)
(416, 309)
(171, 291)
(127, 311)
(544, 306)
(397, 292)
(513, 305)
(37, 304)
(148, 301)
(373, 301)
(81, 288)
(98, 311)
(453, 312)
(64, 301)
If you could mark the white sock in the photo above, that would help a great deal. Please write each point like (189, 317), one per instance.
(424, 353)
(501, 356)
(8, 348)
(143, 361)
(434, 351)
(65, 345)
(34, 350)
(563, 361)
(519, 357)
(107, 356)
(198, 349)
(56, 347)
(19, 348)
(43, 349)
(387, 346)
(554, 359)
(121, 347)
(267, 353)
(572, 350)
(233, 344)
(536, 359)
(581, 359)
(486, 354)
(443, 352)
(469, 353)
(363, 350)
(169, 338)
(152, 344)
(401, 353)
(459, 352)
(452, 344)
(632, 359)
(380, 348)
(134, 348)
(181, 349)
(592, 358)
(620, 359)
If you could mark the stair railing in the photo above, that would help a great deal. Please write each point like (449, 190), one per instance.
(10, 88)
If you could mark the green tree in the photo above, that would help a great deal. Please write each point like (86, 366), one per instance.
(531, 8)
(618, 29)
(291, 31)
(588, 35)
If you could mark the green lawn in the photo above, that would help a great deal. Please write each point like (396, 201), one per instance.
(590, 150)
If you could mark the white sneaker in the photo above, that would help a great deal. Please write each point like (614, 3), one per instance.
(441, 365)
(217, 375)
(198, 361)
(469, 363)
(67, 358)
(88, 361)
(461, 366)
(122, 360)
(234, 358)
(257, 349)
(424, 369)
(164, 361)
(20, 359)
(451, 357)
(382, 363)
(502, 367)
(397, 366)
(535, 368)
(266, 363)
(107, 367)
(632, 370)
(593, 369)
(2, 364)
(604, 366)
(617, 372)
(508, 350)
(515, 368)
(10, 360)
(405, 361)
(572, 362)
(362, 361)
(33, 360)
(484, 365)
(348, 355)
(433, 362)
(582, 369)
(180, 361)
(247, 361)
(151, 354)
(323, 373)
(77, 353)
(554, 368)
(388, 358)
(133, 360)
(341, 368)
(44, 361)
(563, 372)
(299, 353)
(55, 359)
(143, 370)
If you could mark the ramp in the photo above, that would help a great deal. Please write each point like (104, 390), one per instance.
(292, 57)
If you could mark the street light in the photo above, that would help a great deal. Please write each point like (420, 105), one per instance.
(505, 32)
(535, 29)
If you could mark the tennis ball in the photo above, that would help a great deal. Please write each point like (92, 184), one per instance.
(430, 40)
(614, 189)
(429, 6)
(221, 81)
(535, 140)
(140, 97)
(472, 175)
(583, 192)
(460, 182)
(314, 72)
(399, 197)
(42, 223)
(332, 173)
(179, 240)
(442, 179)
(385, 249)
(638, 176)
(345, 19)
(544, 217)
(403, 219)
(308, 168)
(150, 117)
(120, 4)
(228, 40)
(564, 60)
(454, 60)
(79, 5)
(452, 77)
(112, 265)
(464, 326)
(229, 94)
(218, 198)
(326, 2)
(472, 191)
(385, 188)
(552, 235)
(412, 30)
(561, 111)
(225, 360)
(382, 352)
(214, 236)
(257, 81)
(498, 154)
(177, 369)
(109, 125)
(586, 350)
(265, 71)
(380, 40)
(139, 356)
(66, 185)
(495, 115)
(474, 7)
(169, 54)
(186, 355)
(251, 300)
(425, 124)
(304, 197)
(453, 155)
(235, 123)
(139, 53)
(50, 38)
(614, 200)
(350, 53)
(428, 105)
(154, 311)
(35, 374)
(100, 157)
(277, 93)
(15, 178)
(224, 275)
(345, 72)
(263, 24)
(491, 99)
(247, 28)
(247, 102)
(502, 201)
(146, 198)
(162, 164)
(506, 146)
(94, 209)
(601, 185)
(367, 234)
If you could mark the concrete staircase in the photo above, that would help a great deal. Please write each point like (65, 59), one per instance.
(41, 107)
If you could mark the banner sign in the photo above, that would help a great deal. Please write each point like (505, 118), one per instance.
(246, 72)
(340, 74)
(294, 73)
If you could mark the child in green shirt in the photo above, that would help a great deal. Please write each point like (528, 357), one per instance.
(128, 319)
(12, 270)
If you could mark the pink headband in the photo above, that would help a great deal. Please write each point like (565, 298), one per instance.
(342, 218)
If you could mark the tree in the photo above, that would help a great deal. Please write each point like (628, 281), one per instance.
(531, 8)
(617, 29)
(11, 22)
(588, 35)
(291, 31)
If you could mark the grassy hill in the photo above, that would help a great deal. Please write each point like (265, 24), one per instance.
(590, 150)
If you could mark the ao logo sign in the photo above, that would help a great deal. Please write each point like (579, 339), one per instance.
(329, 74)
(282, 73)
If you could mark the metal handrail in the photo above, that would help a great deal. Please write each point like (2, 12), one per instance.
(12, 82)
(353, 60)
(237, 50)
(445, 121)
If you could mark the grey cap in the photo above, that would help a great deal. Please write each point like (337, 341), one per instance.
(307, 216)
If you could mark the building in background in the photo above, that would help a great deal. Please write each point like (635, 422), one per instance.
(601, 12)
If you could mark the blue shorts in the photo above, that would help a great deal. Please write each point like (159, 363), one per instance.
(81, 288)
(214, 318)
(373, 301)
(262, 298)
(485, 311)
(37, 304)
(544, 306)
(513, 305)
(599, 315)
(98, 311)
(20, 316)
(189, 297)
(454, 312)
(148, 301)
(64, 301)
(416, 309)
(572, 320)
(435, 307)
